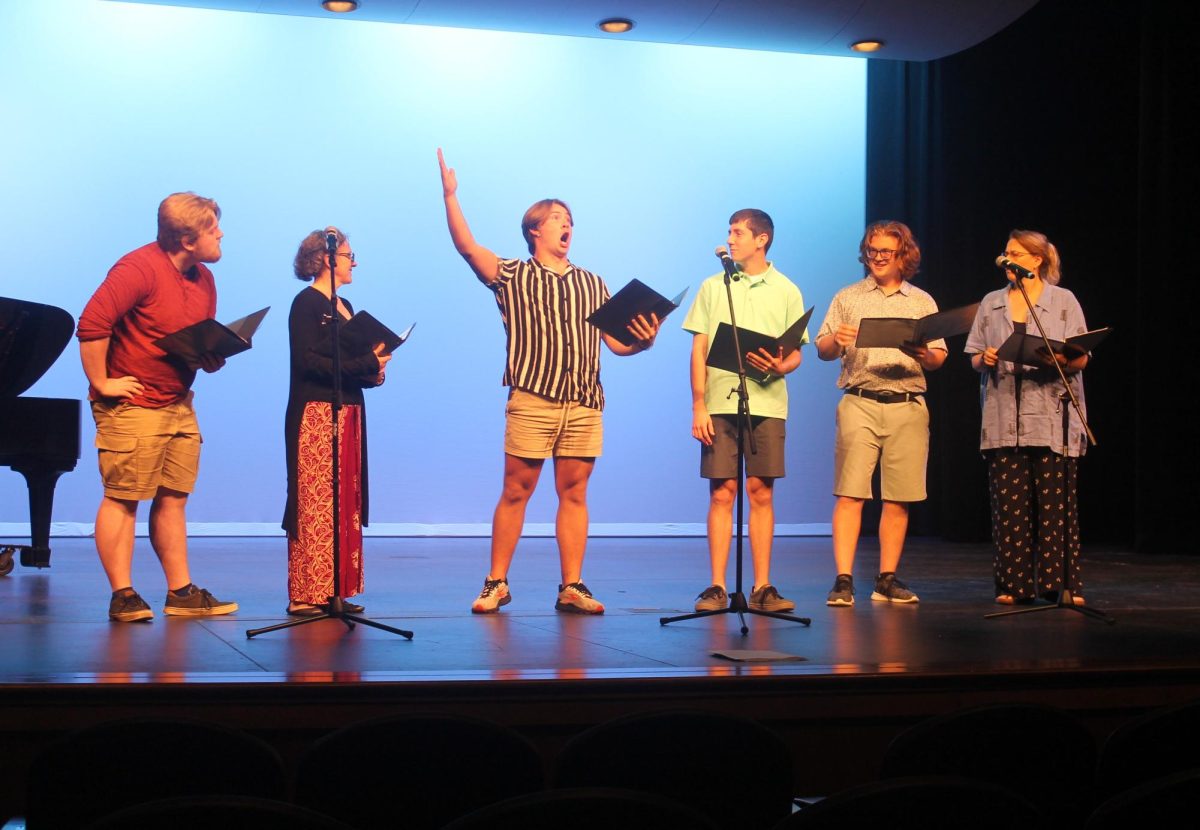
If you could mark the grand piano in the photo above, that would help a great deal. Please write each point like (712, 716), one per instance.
(39, 437)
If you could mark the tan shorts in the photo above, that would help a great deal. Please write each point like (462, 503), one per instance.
(537, 427)
(143, 449)
(892, 436)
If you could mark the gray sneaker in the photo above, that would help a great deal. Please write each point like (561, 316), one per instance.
(197, 603)
(890, 589)
(575, 598)
(494, 594)
(129, 607)
(712, 598)
(766, 598)
(843, 591)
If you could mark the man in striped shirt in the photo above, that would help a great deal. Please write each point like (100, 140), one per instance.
(553, 375)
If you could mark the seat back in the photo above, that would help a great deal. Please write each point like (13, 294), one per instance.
(416, 771)
(102, 768)
(732, 769)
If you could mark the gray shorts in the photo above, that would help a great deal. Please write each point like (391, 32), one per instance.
(720, 460)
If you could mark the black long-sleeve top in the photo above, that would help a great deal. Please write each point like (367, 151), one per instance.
(309, 333)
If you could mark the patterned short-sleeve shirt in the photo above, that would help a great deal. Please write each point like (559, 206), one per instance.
(879, 369)
(553, 351)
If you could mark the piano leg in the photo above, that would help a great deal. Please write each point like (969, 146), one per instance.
(41, 501)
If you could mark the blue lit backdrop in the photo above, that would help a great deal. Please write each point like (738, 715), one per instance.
(294, 123)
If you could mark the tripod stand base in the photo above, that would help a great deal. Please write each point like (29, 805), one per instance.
(333, 613)
(737, 605)
(1066, 602)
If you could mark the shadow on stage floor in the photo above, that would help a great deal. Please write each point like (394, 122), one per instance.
(853, 679)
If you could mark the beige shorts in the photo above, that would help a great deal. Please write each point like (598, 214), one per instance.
(537, 427)
(892, 436)
(142, 449)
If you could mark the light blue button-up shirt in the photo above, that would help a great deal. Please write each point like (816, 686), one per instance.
(1039, 422)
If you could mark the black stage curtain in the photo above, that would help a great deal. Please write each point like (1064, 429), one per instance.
(1076, 120)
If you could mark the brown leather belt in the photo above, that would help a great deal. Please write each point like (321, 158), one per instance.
(884, 396)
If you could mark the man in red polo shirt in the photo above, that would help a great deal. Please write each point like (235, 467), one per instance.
(147, 437)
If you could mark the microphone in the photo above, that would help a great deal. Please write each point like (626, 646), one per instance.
(331, 242)
(1007, 264)
(728, 264)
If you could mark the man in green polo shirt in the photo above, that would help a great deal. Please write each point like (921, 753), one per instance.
(765, 301)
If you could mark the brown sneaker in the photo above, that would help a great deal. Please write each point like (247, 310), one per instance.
(712, 598)
(198, 602)
(766, 598)
(129, 607)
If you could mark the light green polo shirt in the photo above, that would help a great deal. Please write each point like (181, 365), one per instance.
(768, 303)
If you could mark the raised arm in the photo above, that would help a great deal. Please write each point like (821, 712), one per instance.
(483, 262)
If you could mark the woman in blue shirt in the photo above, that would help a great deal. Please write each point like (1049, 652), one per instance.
(1031, 468)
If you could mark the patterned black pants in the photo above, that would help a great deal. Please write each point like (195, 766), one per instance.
(1035, 521)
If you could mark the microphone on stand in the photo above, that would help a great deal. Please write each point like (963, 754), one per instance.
(731, 269)
(331, 243)
(1008, 265)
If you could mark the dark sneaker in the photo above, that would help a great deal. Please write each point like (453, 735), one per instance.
(129, 607)
(308, 609)
(890, 589)
(577, 599)
(197, 603)
(712, 598)
(843, 591)
(766, 598)
(494, 594)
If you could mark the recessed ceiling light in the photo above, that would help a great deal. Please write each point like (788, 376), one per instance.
(339, 6)
(867, 45)
(615, 25)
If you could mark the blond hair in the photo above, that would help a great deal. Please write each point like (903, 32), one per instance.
(1038, 245)
(183, 217)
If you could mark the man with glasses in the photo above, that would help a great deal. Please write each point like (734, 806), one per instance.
(882, 419)
(147, 437)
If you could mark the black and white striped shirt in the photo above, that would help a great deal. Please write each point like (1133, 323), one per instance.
(553, 351)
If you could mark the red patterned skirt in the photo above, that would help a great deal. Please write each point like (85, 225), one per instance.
(310, 553)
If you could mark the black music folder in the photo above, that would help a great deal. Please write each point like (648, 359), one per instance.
(893, 332)
(362, 333)
(1027, 349)
(634, 299)
(188, 344)
(723, 355)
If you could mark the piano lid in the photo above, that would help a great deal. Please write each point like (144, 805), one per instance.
(32, 336)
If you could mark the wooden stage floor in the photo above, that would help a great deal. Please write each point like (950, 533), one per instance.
(55, 628)
(859, 675)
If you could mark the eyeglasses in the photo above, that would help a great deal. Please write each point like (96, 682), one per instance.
(1016, 254)
(349, 256)
(881, 253)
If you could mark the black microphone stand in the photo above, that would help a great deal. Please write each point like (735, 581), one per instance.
(335, 609)
(1066, 600)
(737, 599)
